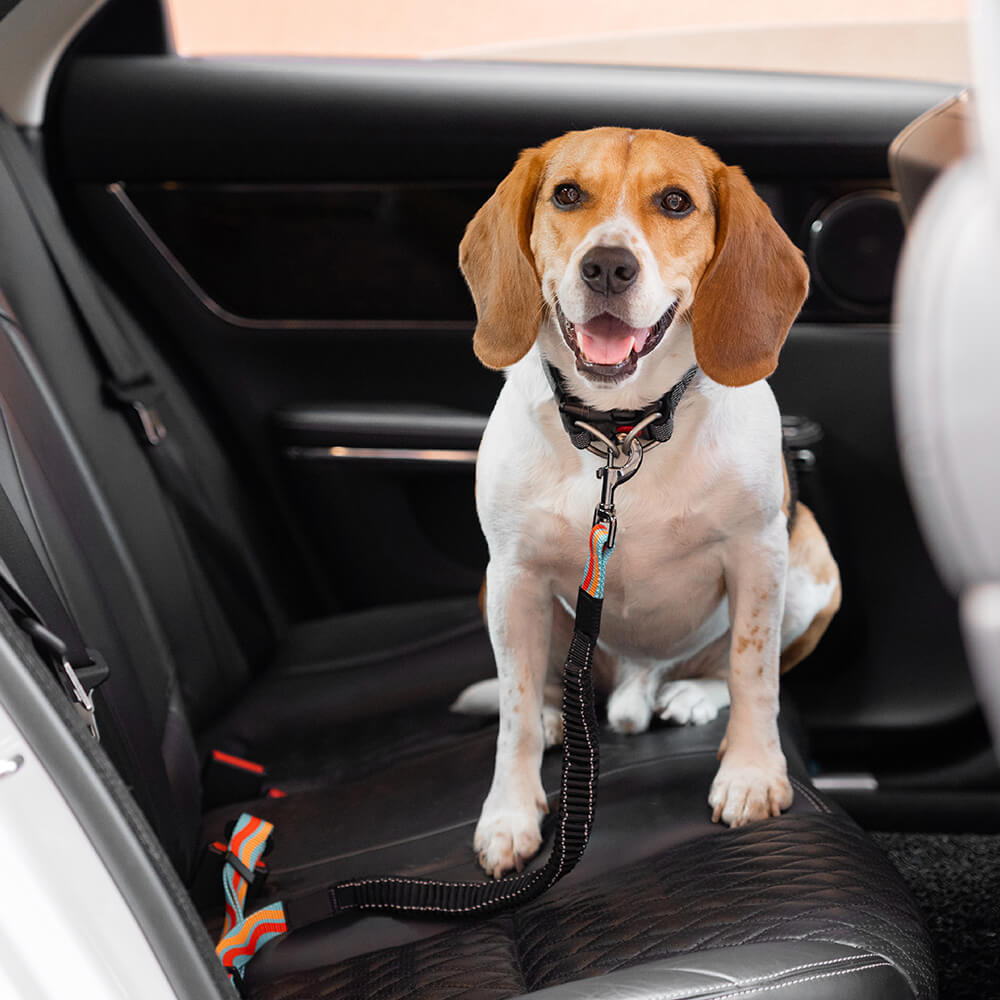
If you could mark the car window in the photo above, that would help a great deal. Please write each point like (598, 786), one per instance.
(919, 39)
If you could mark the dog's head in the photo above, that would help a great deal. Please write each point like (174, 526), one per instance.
(609, 240)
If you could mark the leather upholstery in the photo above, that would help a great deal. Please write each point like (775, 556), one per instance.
(331, 681)
(800, 969)
(480, 962)
(801, 885)
(658, 881)
(789, 878)
(414, 811)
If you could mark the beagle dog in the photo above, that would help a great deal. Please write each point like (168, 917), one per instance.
(606, 265)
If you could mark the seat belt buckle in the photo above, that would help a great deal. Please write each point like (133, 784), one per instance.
(82, 700)
(227, 778)
(80, 693)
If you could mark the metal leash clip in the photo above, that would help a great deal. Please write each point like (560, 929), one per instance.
(612, 476)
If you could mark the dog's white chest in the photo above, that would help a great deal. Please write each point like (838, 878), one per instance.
(664, 578)
(665, 592)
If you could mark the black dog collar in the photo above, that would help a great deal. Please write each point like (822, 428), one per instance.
(611, 423)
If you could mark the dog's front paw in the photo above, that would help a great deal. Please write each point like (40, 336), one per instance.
(506, 839)
(745, 790)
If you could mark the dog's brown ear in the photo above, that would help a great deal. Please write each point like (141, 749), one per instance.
(495, 257)
(751, 290)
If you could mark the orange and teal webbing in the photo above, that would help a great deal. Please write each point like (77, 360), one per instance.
(593, 578)
(243, 936)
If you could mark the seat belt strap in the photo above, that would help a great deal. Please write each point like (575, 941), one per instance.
(43, 616)
(119, 357)
(24, 574)
(133, 390)
(244, 936)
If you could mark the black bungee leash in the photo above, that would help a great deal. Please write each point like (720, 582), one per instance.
(243, 936)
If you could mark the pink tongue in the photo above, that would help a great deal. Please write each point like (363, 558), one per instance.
(606, 340)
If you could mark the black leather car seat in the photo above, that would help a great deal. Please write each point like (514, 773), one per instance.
(352, 712)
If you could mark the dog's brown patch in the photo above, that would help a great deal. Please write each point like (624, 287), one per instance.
(809, 549)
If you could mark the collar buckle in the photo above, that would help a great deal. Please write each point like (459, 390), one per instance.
(589, 429)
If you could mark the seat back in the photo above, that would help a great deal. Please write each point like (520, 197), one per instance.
(946, 359)
(206, 644)
(56, 498)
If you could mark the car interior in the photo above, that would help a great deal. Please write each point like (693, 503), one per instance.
(240, 417)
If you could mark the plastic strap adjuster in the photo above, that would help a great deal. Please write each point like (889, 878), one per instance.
(248, 875)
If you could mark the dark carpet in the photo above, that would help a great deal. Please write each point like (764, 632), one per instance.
(956, 880)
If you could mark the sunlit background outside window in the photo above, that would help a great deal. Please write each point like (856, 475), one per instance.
(920, 39)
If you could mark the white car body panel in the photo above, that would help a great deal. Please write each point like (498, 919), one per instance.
(65, 929)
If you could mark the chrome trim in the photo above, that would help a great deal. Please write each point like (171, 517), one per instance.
(117, 191)
(858, 782)
(293, 187)
(432, 455)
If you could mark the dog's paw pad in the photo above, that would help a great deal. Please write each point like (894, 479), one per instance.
(504, 841)
(629, 710)
(745, 793)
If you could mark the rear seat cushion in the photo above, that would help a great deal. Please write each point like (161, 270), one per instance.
(358, 688)
(658, 880)
(483, 964)
(819, 970)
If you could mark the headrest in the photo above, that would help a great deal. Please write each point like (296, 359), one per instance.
(946, 348)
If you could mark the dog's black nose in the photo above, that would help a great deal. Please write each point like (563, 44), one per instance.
(609, 270)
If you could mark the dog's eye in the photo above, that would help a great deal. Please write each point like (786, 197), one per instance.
(676, 203)
(566, 196)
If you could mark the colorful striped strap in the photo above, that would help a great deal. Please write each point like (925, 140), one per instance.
(237, 947)
(593, 578)
(243, 936)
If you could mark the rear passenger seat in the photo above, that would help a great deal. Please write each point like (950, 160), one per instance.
(350, 714)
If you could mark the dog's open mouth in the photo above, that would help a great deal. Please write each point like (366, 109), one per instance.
(607, 349)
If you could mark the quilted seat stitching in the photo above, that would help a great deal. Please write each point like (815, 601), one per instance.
(807, 979)
(887, 921)
(754, 980)
(808, 877)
